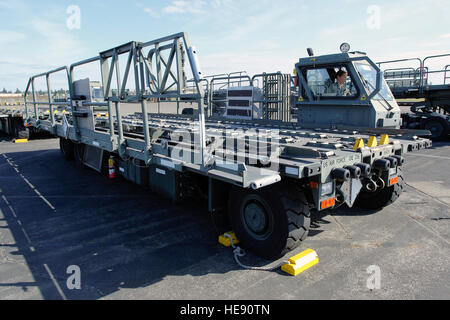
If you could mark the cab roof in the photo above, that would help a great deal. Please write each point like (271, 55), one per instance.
(330, 58)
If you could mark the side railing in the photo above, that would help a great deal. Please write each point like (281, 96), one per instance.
(447, 69)
(159, 73)
(37, 119)
(431, 73)
(276, 94)
(218, 87)
(424, 74)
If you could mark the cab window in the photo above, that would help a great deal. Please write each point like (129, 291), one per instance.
(369, 77)
(330, 83)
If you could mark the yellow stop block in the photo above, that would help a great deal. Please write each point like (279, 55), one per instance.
(359, 143)
(226, 241)
(372, 142)
(20, 140)
(301, 262)
(384, 140)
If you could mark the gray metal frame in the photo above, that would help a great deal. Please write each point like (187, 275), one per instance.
(276, 95)
(424, 70)
(298, 153)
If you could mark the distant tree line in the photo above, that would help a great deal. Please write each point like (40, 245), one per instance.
(38, 92)
(18, 91)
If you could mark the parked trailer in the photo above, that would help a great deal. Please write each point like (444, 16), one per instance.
(262, 178)
(12, 124)
(418, 84)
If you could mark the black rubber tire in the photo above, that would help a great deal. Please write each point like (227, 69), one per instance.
(66, 147)
(381, 198)
(20, 131)
(288, 214)
(187, 111)
(442, 125)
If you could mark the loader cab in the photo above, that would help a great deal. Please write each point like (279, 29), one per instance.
(360, 98)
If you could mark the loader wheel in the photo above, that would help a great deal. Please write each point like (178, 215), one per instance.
(438, 127)
(20, 131)
(67, 148)
(381, 198)
(271, 221)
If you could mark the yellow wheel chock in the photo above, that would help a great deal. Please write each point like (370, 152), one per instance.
(301, 262)
(226, 241)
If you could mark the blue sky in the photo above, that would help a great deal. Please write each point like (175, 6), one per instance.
(230, 35)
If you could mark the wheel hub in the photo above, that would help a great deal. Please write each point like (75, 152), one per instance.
(255, 218)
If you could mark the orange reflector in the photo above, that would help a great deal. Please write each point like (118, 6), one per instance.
(328, 203)
(314, 185)
(393, 181)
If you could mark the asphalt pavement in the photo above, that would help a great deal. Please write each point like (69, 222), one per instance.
(131, 244)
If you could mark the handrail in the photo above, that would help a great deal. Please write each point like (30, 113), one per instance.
(399, 60)
(424, 71)
(447, 68)
(50, 102)
(225, 84)
(283, 110)
(434, 57)
(179, 45)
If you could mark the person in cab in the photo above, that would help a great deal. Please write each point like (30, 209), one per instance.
(339, 88)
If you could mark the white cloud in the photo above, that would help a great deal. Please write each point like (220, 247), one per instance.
(151, 12)
(8, 4)
(53, 45)
(185, 6)
(253, 62)
(62, 44)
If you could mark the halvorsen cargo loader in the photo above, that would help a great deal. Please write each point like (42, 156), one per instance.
(261, 171)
